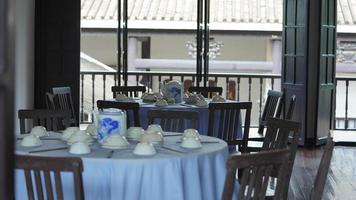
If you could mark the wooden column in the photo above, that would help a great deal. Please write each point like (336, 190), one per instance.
(57, 48)
(308, 64)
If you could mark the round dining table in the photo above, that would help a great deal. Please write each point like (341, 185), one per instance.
(172, 173)
(203, 114)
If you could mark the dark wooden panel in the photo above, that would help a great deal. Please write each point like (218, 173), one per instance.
(57, 48)
(7, 67)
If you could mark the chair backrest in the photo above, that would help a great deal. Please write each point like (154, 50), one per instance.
(129, 107)
(130, 91)
(320, 179)
(207, 92)
(225, 119)
(173, 120)
(273, 108)
(53, 120)
(46, 165)
(63, 101)
(256, 171)
(290, 110)
(278, 132)
(50, 101)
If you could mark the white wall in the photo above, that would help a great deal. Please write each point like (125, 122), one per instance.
(24, 56)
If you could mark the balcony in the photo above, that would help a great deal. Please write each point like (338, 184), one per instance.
(96, 85)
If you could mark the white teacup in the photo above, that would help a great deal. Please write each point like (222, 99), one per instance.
(79, 148)
(91, 129)
(144, 149)
(191, 133)
(134, 132)
(154, 137)
(80, 136)
(115, 141)
(31, 141)
(154, 127)
(68, 132)
(191, 143)
(39, 131)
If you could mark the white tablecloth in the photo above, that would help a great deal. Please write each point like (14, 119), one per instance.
(195, 174)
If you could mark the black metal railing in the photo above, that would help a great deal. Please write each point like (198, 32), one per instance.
(345, 111)
(96, 85)
(237, 86)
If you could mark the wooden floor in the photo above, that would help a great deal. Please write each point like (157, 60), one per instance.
(341, 181)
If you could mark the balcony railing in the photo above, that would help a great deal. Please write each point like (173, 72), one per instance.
(236, 86)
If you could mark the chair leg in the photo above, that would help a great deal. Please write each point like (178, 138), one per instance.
(260, 129)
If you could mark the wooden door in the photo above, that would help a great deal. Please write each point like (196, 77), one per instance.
(308, 65)
(294, 59)
(326, 69)
(6, 98)
(57, 48)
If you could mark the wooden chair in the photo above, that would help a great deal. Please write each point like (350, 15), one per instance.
(173, 120)
(50, 101)
(229, 122)
(256, 172)
(63, 101)
(256, 142)
(272, 109)
(320, 179)
(127, 106)
(131, 91)
(53, 120)
(207, 92)
(46, 165)
(291, 106)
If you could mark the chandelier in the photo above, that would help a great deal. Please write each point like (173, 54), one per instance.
(213, 52)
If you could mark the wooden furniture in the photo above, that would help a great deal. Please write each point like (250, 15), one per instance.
(173, 120)
(130, 91)
(320, 179)
(230, 122)
(42, 167)
(207, 92)
(256, 172)
(53, 120)
(129, 107)
(273, 108)
(63, 101)
(291, 106)
(50, 101)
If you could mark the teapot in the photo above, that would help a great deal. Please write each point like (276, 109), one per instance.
(172, 89)
(110, 121)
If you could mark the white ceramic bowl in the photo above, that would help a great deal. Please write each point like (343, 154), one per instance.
(218, 98)
(134, 132)
(191, 133)
(144, 149)
(201, 103)
(79, 148)
(154, 127)
(80, 136)
(115, 141)
(191, 143)
(91, 129)
(31, 141)
(154, 137)
(39, 131)
(161, 102)
(68, 132)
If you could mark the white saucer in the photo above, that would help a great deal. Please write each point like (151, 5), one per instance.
(37, 145)
(143, 154)
(114, 147)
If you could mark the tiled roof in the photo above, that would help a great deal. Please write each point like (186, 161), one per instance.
(222, 11)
